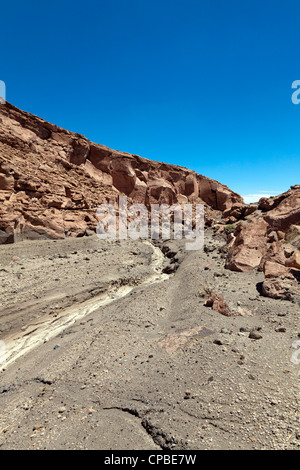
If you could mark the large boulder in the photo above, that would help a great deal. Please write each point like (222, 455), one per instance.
(249, 246)
(286, 212)
(293, 235)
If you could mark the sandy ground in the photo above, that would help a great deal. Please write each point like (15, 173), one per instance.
(109, 346)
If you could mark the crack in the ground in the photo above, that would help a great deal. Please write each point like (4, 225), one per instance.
(162, 439)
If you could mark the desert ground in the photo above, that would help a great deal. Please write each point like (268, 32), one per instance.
(109, 346)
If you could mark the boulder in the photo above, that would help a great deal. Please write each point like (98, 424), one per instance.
(294, 261)
(274, 269)
(293, 235)
(280, 288)
(248, 247)
(217, 303)
(286, 212)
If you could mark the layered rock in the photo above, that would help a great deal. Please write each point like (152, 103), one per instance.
(52, 180)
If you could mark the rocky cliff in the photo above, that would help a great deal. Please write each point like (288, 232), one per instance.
(52, 180)
(266, 236)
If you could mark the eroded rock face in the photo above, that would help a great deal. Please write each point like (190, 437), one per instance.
(293, 235)
(52, 180)
(285, 213)
(269, 241)
(248, 247)
(281, 270)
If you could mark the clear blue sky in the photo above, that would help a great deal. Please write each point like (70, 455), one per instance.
(201, 84)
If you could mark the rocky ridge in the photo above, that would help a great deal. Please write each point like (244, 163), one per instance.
(53, 180)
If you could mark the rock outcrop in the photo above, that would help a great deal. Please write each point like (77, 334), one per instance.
(52, 180)
(268, 239)
(249, 246)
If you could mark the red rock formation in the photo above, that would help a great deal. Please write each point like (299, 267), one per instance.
(217, 303)
(285, 210)
(52, 180)
(248, 247)
(270, 242)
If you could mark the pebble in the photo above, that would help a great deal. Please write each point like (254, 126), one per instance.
(37, 426)
(255, 335)
(218, 342)
(225, 331)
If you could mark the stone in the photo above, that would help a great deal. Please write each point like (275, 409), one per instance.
(217, 303)
(286, 211)
(280, 288)
(254, 334)
(6, 182)
(293, 235)
(272, 269)
(218, 342)
(249, 209)
(249, 246)
(294, 261)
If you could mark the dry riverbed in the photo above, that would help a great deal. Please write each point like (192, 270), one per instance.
(110, 346)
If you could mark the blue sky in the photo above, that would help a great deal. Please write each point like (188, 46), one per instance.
(201, 84)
